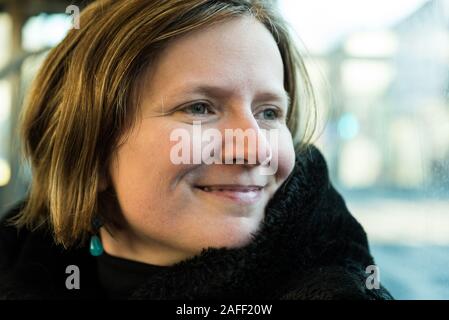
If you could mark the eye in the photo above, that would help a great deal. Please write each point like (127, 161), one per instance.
(270, 114)
(198, 108)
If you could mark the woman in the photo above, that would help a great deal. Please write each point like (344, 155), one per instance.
(100, 129)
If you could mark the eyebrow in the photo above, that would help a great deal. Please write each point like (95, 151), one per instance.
(219, 92)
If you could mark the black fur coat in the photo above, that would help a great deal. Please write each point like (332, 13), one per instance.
(309, 247)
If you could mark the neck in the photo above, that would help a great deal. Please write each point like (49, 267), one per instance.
(127, 246)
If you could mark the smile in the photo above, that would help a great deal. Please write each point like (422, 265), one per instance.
(236, 193)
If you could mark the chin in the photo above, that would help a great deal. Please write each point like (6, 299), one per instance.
(231, 236)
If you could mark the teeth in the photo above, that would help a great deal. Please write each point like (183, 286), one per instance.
(209, 189)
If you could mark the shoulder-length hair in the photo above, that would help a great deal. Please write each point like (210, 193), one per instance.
(84, 98)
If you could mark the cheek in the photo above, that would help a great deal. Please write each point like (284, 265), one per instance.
(286, 156)
(141, 171)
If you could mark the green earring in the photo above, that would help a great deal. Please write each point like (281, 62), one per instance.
(96, 247)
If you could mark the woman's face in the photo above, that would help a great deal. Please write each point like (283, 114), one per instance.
(227, 76)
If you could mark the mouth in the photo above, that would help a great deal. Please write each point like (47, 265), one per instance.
(241, 194)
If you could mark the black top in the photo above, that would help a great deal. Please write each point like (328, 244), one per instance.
(120, 277)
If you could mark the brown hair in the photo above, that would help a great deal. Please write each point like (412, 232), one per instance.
(84, 99)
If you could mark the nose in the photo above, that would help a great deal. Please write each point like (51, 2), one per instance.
(244, 141)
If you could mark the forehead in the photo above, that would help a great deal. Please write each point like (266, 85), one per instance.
(237, 54)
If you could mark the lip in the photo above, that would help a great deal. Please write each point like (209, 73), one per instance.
(240, 194)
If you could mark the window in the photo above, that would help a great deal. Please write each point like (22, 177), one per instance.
(381, 71)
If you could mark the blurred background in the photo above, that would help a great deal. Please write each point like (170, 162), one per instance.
(381, 74)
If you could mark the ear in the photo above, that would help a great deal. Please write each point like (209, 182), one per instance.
(102, 183)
